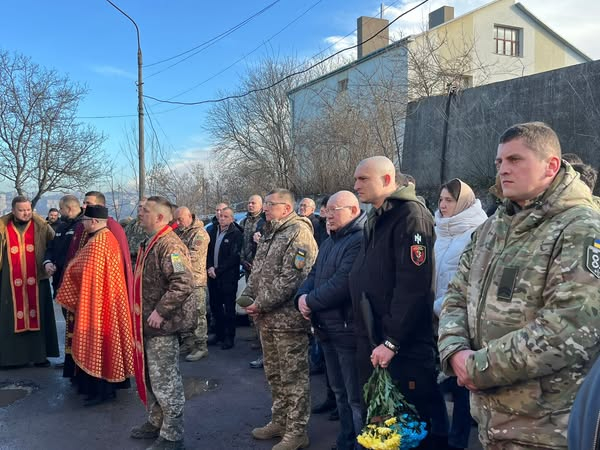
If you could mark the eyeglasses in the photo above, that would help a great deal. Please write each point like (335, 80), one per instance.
(87, 218)
(269, 204)
(332, 210)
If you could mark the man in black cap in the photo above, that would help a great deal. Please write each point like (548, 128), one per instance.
(95, 290)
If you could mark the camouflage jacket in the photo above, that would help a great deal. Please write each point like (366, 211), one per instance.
(250, 224)
(286, 252)
(526, 299)
(196, 239)
(167, 286)
(135, 236)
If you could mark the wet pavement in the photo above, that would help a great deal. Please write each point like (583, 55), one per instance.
(39, 410)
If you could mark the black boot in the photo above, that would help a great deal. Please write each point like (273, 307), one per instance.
(327, 405)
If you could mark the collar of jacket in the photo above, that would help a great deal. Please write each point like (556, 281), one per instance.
(196, 224)
(275, 226)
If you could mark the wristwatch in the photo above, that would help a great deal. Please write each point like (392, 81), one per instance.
(388, 344)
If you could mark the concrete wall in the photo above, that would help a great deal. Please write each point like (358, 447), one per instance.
(567, 99)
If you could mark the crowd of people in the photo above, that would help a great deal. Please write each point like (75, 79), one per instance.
(500, 314)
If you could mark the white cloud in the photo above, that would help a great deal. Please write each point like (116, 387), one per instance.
(113, 72)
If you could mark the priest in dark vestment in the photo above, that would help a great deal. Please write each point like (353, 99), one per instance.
(27, 326)
(94, 289)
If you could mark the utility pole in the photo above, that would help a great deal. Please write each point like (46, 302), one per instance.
(140, 86)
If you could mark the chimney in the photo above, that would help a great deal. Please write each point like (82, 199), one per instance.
(440, 16)
(369, 27)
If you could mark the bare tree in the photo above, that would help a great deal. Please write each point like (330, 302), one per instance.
(43, 147)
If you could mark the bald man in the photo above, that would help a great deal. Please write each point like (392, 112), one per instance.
(324, 299)
(394, 274)
(192, 233)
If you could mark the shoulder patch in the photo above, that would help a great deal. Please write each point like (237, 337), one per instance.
(300, 259)
(418, 254)
(417, 238)
(592, 260)
(178, 266)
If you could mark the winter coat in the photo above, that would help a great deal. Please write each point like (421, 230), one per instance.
(326, 288)
(286, 253)
(452, 234)
(584, 421)
(228, 270)
(196, 239)
(168, 287)
(394, 269)
(526, 300)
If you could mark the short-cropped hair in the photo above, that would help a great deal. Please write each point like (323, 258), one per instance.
(69, 200)
(19, 199)
(100, 198)
(163, 205)
(537, 136)
(285, 195)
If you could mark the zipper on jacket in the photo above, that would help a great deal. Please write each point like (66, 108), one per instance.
(597, 434)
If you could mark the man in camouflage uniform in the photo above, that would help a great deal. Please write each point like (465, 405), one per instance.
(520, 322)
(285, 255)
(135, 232)
(192, 233)
(169, 306)
(253, 222)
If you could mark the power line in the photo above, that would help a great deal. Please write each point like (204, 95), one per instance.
(201, 47)
(299, 72)
(249, 53)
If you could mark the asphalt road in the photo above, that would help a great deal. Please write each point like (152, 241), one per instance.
(226, 399)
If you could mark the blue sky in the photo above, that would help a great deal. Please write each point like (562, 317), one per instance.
(95, 45)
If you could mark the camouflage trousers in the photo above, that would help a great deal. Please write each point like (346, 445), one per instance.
(164, 386)
(196, 339)
(285, 359)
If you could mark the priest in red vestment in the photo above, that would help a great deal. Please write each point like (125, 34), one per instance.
(94, 289)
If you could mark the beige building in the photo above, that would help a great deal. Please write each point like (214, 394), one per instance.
(362, 104)
(498, 41)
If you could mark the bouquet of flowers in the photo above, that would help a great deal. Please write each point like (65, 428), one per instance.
(392, 422)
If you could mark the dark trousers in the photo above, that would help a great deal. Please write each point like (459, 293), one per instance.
(460, 428)
(222, 307)
(417, 380)
(340, 362)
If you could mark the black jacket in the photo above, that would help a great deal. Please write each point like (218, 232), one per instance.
(394, 268)
(327, 289)
(57, 248)
(584, 421)
(228, 271)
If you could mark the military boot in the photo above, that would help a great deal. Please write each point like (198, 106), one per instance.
(164, 444)
(145, 431)
(269, 431)
(196, 355)
(292, 442)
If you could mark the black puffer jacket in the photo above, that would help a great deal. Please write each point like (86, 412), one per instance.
(327, 288)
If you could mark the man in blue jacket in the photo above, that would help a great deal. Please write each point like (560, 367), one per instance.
(324, 298)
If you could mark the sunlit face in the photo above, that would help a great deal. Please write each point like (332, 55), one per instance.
(53, 216)
(447, 203)
(90, 200)
(226, 218)
(523, 173)
(275, 208)
(149, 217)
(22, 211)
(254, 205)
(88, 223)
(338, 215)
(368, 185)
(219, 208)
(305, 208)
(140, 208)
(183, 218)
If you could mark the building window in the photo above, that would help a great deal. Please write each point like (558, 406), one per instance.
(343, 85)
(507, 40)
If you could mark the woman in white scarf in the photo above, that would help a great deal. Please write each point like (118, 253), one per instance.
(459, 214)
